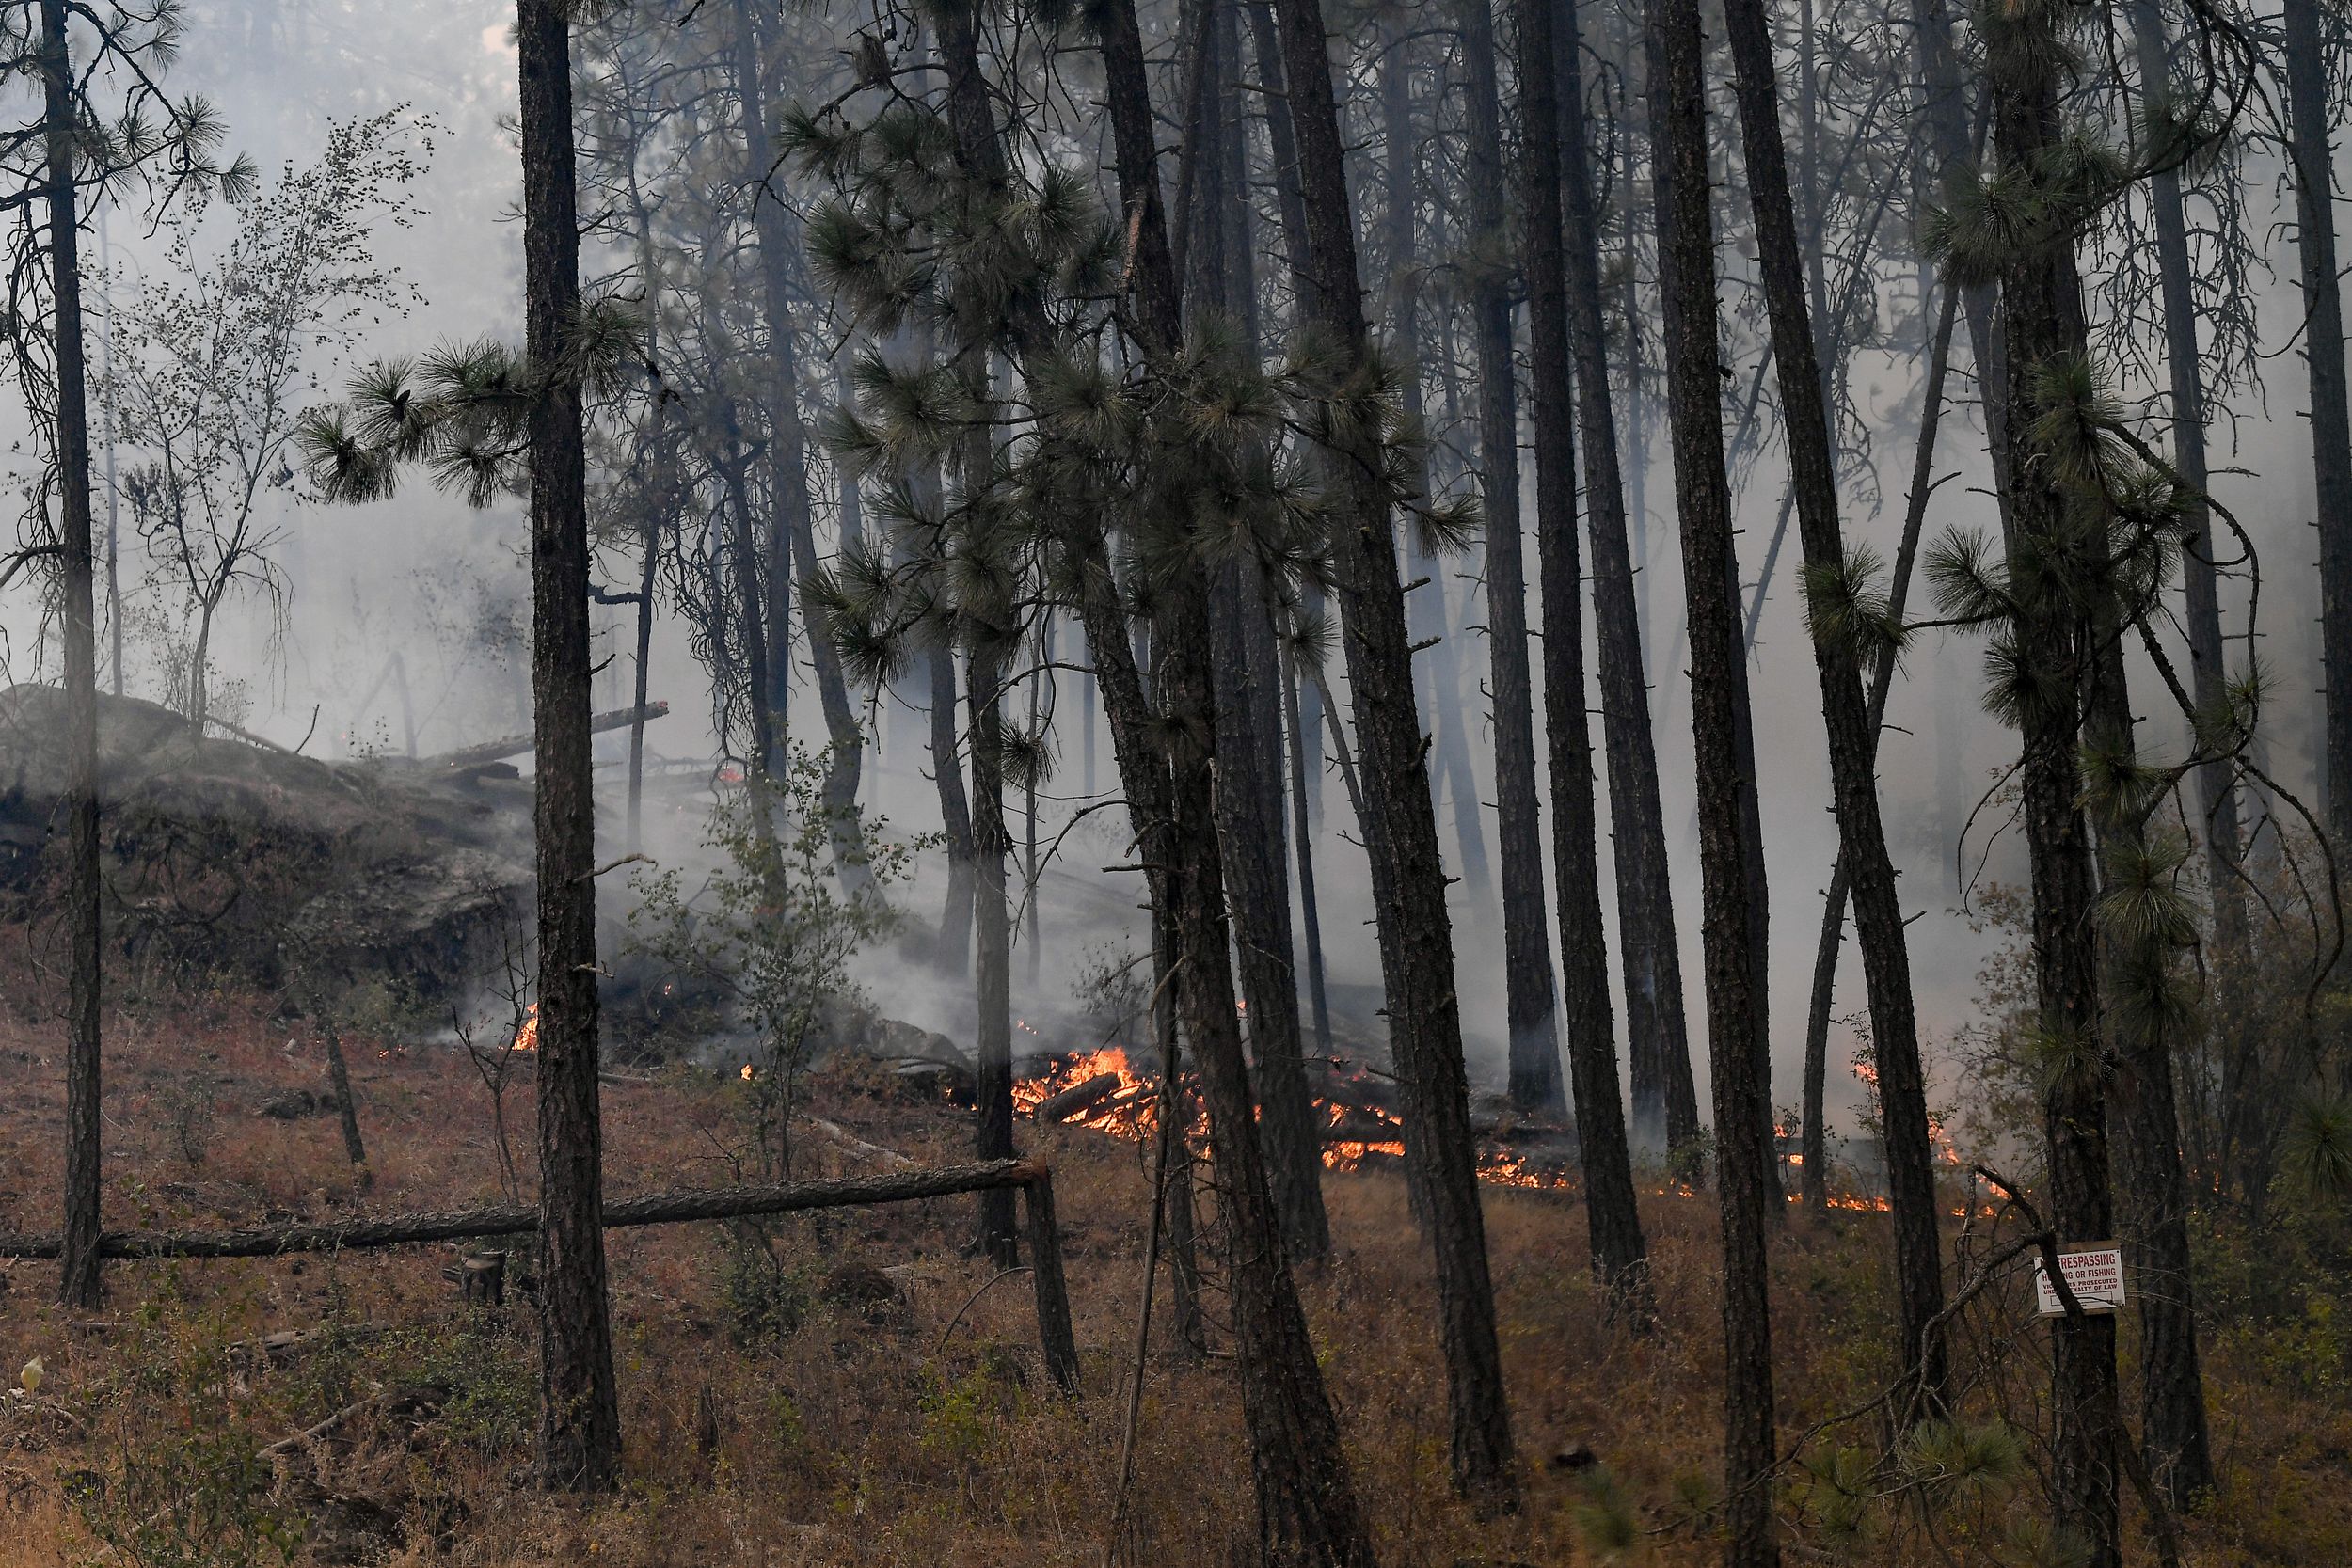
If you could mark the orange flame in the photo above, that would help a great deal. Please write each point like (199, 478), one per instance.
(1355, 1136)
(526, 1038)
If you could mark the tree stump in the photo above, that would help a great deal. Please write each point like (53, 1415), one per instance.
(484, 1279)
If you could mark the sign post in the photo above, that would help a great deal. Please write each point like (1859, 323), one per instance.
(2095, 1273)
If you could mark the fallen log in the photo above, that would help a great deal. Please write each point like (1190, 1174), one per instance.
(671, 1208)
(850, 1143)
(515, 745)
(1078, 1097)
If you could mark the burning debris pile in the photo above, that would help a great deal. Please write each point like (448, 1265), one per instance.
(1362, 1121)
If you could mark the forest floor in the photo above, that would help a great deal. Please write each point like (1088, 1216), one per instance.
(915, 1429)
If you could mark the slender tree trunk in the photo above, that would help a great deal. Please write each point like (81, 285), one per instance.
(974, 127)
(1401, 830)
(78, 1282)
(650, 563)
(1307, 1511)
(1619, 1256)
(793, 549)
(580, 1423)
(2172, 1394)
(1733, 961)
(757, 655)
(1665, 1095)
(953, 951)
(1528, 1003)
(1250, 853)
(984, 684)
(1176, 1104)
(1814, 1163)
(1282, 146)
(1303, 830)
(2308, 37)
(1851, 736)
(2147, 1150)
(1437, 670)
(2041, 323)
(346, 1106)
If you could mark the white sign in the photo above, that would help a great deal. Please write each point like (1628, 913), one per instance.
(2095, 1277)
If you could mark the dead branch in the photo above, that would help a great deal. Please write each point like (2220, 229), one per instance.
(515, 745)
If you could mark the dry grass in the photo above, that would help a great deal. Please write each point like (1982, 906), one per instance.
(901, 1441)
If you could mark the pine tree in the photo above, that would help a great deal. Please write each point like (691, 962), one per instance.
(1734, 976)
(1400, 834)
(1842, 621)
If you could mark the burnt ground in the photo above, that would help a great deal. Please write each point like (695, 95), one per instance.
(883, 1404)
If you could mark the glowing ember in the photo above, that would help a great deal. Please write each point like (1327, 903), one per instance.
(747, 1072)
(526, 1038)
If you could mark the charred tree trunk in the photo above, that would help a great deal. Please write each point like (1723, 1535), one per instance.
(1534, 1062)
(1743, 1160)
(1401, 830)
(2313, 155)
(580, 1423)
(2042, 325)
(991, 842)
(1852, 738)
(1665, 1094)
(346, 1106)
(78, 1283)
(1619, 1256)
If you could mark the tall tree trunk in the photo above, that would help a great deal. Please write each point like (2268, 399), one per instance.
(1400, 829)
(78, 1283)
(744, 559)
(579, 1422)
(1250, 852)
(1282, 150)
(1307, 1511)
(1755, 901)
(1853, 738)
(2308, 37)
(984, 675)
(993, 637)
(1619, 1256)
(2042, 325)
(1437, 671)
(984, 665)
(1733, 962)
(1665, 1094)
(1534, 1062)
(1815, 1164)
(793, 549)
(2172, 1394)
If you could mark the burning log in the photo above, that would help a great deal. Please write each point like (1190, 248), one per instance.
(1077, 1099)
(515, 745)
